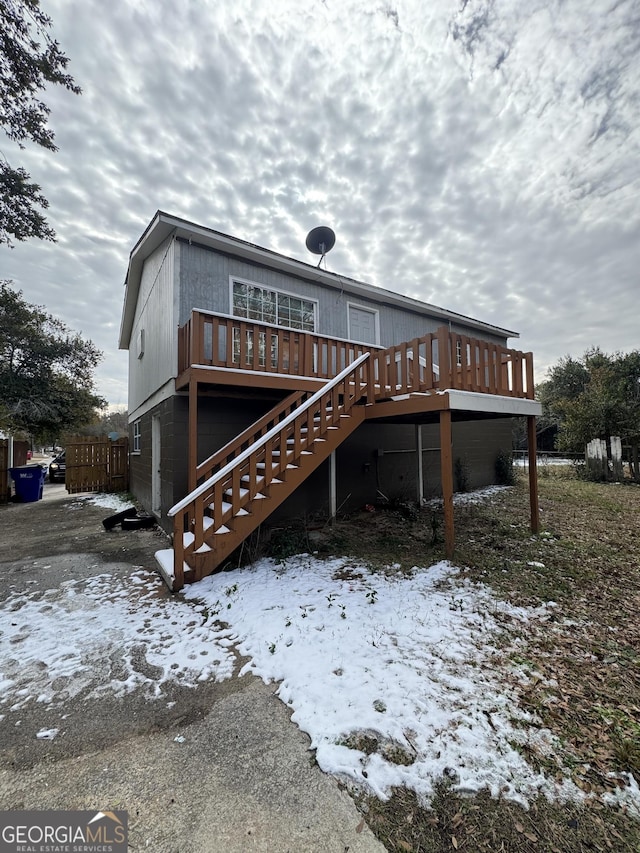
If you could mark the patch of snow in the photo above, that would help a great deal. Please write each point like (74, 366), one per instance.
(627, 796)
(474, 497)
(47, 734)
(412, 663)
(109, 501)
(105, 634)
(523, 461)
(407, 661)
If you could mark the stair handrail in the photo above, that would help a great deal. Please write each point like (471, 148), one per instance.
(232, 447)
(273, 432)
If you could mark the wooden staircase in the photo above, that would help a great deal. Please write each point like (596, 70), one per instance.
(244, 482)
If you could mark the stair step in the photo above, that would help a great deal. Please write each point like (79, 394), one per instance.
(207, 522)
(227, 506)
(245, 479)
(165, 560)
(261, 467)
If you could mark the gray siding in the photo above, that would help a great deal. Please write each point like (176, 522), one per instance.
(156, 316)
(204, 285)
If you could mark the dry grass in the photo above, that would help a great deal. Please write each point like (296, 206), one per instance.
(584, 666)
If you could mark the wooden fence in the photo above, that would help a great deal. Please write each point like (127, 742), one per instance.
(4, 474)
(96, 464)
(20, 449)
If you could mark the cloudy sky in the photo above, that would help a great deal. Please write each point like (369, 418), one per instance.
(483, 155)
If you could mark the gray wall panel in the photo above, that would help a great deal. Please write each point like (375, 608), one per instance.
(156, 317)
(204, 281)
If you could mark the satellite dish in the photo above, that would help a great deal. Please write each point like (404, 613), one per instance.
(320, 240)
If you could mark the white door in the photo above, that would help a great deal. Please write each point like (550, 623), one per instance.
(156, 454)
(363, 325)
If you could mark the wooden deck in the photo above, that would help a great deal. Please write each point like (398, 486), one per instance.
(222, 350)
(335, 385)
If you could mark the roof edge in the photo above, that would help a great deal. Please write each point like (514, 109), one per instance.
(163, 224)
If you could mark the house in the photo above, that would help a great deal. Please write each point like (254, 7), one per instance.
(262, 387)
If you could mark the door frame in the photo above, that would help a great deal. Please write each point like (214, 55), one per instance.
(156, 461)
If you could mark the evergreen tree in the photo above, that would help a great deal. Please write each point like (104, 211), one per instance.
(29, 60)
(46, 371)
(596, 396)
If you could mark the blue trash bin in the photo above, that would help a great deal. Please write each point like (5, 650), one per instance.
(29, 480)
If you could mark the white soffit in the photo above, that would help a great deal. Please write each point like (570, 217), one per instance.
(469, 401)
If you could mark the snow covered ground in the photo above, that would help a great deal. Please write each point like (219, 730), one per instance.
(398, 678)
(542, 459)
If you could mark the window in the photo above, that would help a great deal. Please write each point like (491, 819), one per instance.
(136, 437)
(271, 306)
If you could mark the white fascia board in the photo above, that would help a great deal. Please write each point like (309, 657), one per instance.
(164, 224)
(470, 401)
(159, 396)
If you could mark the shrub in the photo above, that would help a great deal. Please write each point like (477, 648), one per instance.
(505, 475)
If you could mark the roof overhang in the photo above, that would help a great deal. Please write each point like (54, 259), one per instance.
(164, 225)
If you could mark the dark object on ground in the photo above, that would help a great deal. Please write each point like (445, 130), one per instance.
(140, 522)
(110, 523)
(58, 469)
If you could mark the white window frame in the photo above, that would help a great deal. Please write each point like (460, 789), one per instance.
(238, 280)
(137, 433)
(370, 310)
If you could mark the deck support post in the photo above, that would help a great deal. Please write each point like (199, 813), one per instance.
(420, 471)
(533, 473)
(192, 460)
(333, 487)
(446, 477)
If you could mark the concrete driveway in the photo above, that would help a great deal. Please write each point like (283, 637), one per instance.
(199, 766)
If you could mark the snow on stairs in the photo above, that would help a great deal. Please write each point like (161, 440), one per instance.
(214, 519)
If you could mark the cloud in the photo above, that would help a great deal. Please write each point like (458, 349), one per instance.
(481, 156)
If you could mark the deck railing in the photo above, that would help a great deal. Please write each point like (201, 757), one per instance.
(435, 361)
(217, 501)
(249, 436)
(217, 340)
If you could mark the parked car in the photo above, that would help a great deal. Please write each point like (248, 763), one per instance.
(58, 469)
